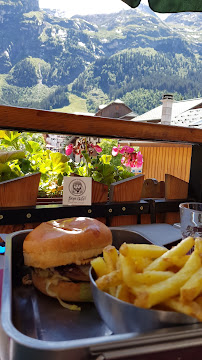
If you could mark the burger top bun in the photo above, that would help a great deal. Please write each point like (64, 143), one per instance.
(65, 241)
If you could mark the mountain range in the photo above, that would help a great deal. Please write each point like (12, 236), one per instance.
(47, 59)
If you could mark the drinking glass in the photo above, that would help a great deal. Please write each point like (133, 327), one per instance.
(191, 219)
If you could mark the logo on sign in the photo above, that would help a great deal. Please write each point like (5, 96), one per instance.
(77, 187)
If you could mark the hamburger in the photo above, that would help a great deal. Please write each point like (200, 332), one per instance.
(59, 253)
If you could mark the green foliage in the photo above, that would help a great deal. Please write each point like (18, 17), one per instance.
(52, 166)
(29, 72)
(104, 168)
(107, 146)
(95, 98)
(143, 100)
(34, 158)
(139, 70)
(38, 97)
(24, 153)
(10, 164)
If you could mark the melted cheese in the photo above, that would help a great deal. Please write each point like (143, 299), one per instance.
(54, 280)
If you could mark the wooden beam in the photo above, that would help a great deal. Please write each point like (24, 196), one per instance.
(23, 119)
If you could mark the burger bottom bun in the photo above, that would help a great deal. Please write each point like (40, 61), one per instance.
(65, 290)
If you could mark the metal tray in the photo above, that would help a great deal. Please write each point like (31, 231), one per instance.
(38, 327)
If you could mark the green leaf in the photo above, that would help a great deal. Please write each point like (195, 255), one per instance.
(2, 134)
(86, 156)
(67, 169)
(58, 158)
(32, 147)
(4, 168)
(97, 176)
(6, 156)
(25, 166)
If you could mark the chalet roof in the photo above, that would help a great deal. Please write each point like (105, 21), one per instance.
(117, 101)
(178, 108)
(130, 115)
(84, 113)
(191, 118)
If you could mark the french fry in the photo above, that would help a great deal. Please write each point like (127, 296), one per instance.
(157, 293)
(198, 300)
(140, 263)
(127, 268)
(110, 255)
(192, 288)
(138, 250)
(192, 309)
(198, 245)
(151, 277)
(112, 290)
(99, 266)
(123, 293)
(110, 280)
(179, 250)
(177, 261)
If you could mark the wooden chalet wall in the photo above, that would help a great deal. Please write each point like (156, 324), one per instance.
(114, 110)
(164, 158)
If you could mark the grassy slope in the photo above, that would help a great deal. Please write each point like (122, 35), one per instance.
(77, 104)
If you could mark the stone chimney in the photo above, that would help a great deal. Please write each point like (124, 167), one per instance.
(166, 109)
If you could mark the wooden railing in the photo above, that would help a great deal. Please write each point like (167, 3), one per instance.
(61, 123)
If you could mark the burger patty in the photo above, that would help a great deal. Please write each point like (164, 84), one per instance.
(74, 272)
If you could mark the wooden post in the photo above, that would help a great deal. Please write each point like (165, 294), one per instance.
(175, 188)
(195, 181)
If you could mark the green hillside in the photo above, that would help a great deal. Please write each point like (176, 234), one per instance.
(77, 104)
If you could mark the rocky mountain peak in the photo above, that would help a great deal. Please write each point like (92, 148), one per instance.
(30, 5)
(21, 6)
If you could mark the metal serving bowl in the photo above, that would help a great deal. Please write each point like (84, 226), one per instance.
(122, 317)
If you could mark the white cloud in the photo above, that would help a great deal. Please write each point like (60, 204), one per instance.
(84, 7)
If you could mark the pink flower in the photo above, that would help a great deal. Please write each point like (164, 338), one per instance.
(134, 156)
(98, 148)
(139, 159)
(115, 150)
(123, 159)
(128, 163)
(129, 150)
(69, 149)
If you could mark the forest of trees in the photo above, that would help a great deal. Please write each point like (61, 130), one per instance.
(137, 75)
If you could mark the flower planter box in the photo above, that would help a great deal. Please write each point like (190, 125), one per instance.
(22, 191)
(19, 192)
(99, 192)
